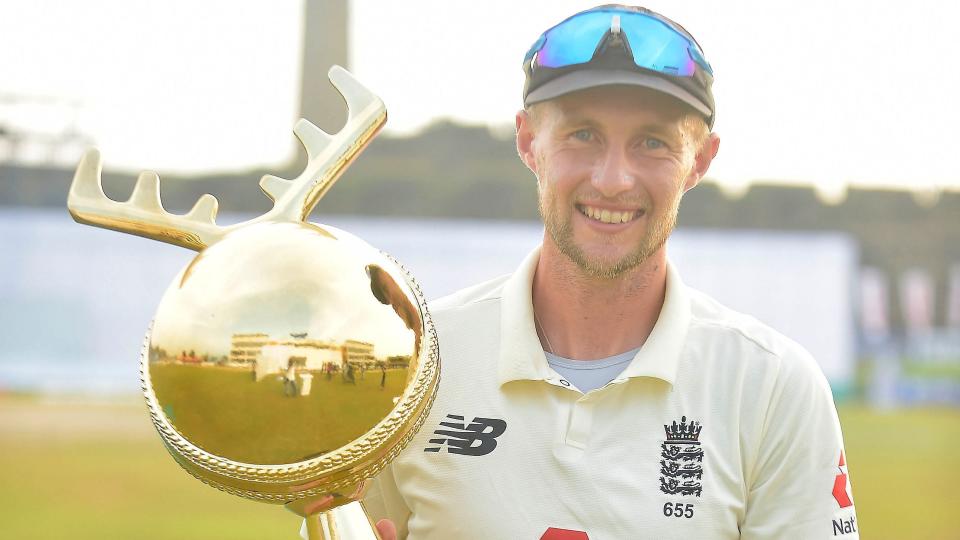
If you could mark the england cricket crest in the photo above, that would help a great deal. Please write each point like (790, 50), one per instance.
(681, 459)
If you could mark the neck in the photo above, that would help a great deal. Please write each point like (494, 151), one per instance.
(588, 318)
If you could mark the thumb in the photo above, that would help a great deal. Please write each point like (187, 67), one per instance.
(387, 530)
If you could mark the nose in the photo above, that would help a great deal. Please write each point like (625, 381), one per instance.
(612, 174)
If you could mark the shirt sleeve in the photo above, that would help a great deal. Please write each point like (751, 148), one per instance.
(799, 486)
(383, 500)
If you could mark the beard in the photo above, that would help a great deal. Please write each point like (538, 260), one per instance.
(559, 226)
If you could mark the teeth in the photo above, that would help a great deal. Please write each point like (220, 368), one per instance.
(607, 216)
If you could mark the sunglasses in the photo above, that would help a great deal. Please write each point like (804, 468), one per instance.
(655, 44)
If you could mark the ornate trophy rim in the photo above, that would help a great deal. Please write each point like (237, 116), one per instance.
(344, 467)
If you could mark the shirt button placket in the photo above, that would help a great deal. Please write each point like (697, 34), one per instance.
(580, 423)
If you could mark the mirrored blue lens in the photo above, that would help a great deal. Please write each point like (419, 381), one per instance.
(574, 41)
(655, 45)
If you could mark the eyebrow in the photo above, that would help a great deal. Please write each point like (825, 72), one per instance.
(673, 132)
(660, 129)
(570, 120)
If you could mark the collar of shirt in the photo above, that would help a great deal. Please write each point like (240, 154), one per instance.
(521, 354)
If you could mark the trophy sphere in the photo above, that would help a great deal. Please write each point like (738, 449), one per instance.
(289, 360)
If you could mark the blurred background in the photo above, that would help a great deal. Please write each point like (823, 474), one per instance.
(832, 213)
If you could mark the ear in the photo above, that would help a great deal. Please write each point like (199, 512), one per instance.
(702, 161)
(525, 136)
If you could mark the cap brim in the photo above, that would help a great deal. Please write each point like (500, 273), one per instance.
(592, 78)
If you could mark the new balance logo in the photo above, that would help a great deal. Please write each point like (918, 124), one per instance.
(478, 438)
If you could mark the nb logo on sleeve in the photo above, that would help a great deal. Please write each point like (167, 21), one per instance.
(478, 438)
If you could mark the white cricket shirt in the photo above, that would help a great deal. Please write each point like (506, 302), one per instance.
(719, 428)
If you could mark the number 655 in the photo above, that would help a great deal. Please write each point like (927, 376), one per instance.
(678, 510)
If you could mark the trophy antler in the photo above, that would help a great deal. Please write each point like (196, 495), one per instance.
(143, 214)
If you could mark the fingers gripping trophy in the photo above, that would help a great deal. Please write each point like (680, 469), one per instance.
(252, 368)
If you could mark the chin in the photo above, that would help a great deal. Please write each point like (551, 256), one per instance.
(604, 266)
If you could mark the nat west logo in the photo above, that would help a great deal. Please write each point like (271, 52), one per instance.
(840, 490)
(844, 526)
(681, 463)
(478, 438)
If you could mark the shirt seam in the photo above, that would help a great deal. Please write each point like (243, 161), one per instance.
(738, 330)
(765, 423)
(778, 358)
(457, 307)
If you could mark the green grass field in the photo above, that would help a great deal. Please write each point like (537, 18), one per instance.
(220, 409)
(98, 471)
(905, 471)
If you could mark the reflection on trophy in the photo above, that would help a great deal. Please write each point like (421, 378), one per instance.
(289, 362)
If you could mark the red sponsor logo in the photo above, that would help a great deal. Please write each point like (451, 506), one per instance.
(840, 492)
(554, 533)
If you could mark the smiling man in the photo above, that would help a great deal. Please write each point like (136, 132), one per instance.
(591, 394)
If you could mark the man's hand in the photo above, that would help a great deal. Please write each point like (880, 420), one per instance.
(387, 530)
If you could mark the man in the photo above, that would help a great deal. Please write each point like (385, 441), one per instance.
(290, 380)
(591, 395)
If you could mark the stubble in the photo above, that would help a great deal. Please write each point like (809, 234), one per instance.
(558, 223)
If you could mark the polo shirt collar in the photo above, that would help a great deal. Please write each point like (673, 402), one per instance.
(521, 354)
(660, 355)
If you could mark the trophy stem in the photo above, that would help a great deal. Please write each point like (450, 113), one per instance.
(314, 530)
(347, 522)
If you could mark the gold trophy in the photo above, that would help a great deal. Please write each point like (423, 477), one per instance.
(289, 362)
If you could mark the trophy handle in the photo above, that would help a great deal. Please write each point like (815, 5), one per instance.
(293, 200)
(347, 522)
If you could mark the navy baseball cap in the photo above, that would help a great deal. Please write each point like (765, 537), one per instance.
(619, 45)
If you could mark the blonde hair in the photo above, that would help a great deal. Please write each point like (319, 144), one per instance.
(695, 130)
